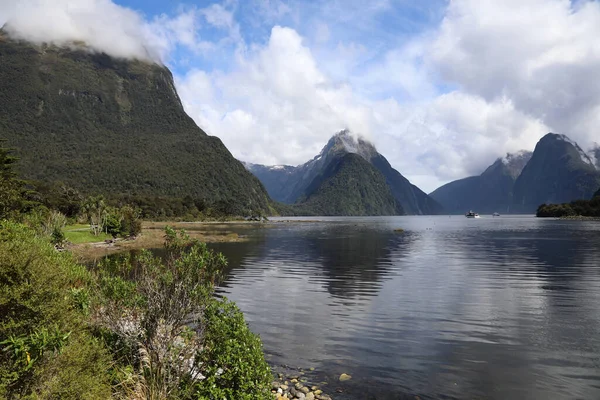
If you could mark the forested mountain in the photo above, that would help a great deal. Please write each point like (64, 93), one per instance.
(558, 172)
(107, 125)
(297, 185)
(490, 192)
(349, 185)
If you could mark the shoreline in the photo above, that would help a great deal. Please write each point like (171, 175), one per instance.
(152, 236)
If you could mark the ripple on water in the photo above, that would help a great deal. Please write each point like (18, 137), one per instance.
(494, 308)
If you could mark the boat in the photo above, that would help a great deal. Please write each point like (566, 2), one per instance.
(496, 214)
(471, 214)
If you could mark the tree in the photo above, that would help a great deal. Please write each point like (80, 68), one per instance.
(12, 189)
(95, 210)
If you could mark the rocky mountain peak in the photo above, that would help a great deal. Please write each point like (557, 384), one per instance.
(347, 142)
(515, 162)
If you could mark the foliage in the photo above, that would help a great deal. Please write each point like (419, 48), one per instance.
(131, 225)
(102, 125)
(13, 193)
(585, 208)
(60, 197)
(150, 304)
(350, 186)
(95, 211)
(112, 221)
(172, 339)
(48, 351)
(233, 360)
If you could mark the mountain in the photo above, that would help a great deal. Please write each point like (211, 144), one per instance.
(293, 185)
(490, 192)
(594, 156)
(558, 172)
(349, 185)
(107, 125)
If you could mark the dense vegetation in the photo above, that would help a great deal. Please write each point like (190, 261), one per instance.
(102, 125)
(139, 327)
(583, 208)
(350, 186)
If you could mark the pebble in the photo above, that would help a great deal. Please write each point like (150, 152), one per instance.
(345, 377)
(298, 388)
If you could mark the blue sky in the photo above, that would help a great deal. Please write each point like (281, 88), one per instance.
(378, 27)
(442, 87)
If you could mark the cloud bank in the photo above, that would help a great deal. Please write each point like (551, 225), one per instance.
(441, 88)
(101, 24)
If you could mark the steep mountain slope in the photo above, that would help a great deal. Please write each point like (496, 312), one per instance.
(558, 172)
(349, 185)
(106, 125)
(595, 156)
(492, 191)
(295, 184)
(276, 179)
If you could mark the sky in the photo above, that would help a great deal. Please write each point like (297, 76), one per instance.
(442, 88)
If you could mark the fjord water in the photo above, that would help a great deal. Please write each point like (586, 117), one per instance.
(505, 307)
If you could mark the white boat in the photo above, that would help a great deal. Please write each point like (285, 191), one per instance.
(471, 214)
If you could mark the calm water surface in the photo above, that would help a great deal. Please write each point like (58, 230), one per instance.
(499, 308)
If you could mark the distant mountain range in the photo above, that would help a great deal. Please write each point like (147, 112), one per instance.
(348, 177)
(112, 126)
(558, 171)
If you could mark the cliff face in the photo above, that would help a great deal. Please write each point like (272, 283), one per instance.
(558, 172)
(102, 124)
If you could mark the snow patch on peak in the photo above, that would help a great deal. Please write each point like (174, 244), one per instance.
(277, 167)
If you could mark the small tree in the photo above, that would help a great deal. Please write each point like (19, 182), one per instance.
(112, 221)
(95, 211)
(131, 225)
(12, 189)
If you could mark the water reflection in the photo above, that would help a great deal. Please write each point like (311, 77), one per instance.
(453, 308)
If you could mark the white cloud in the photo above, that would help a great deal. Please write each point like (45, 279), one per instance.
(276, 105)
(493, 77)
(101, 24)
(541, 54)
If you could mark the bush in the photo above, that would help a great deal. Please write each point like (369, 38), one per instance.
(50, 353)
(233, 360)
(171, 336)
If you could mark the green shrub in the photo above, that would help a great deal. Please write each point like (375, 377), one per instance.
(49, 352)
(233, 360)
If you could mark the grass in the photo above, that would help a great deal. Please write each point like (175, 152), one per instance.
(80, 233)
(152, 236)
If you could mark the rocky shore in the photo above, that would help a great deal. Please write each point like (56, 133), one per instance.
(296, 385)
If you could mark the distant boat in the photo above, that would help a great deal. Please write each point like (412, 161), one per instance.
(496, 214)
(471, 214)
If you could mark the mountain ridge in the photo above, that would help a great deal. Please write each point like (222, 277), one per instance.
(289, 184)
(557, 171)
